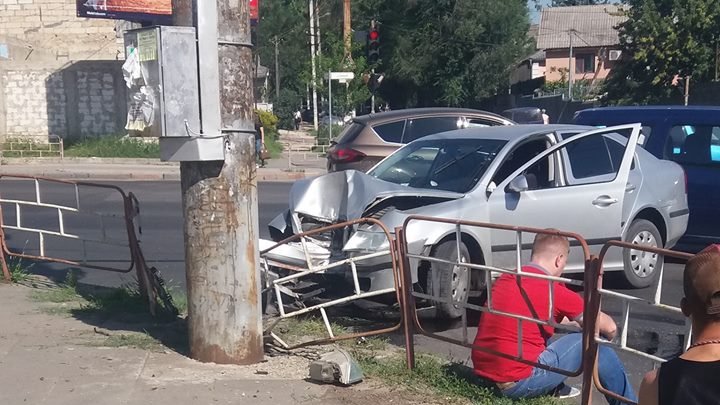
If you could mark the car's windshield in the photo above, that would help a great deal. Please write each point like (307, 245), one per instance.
(440, 164)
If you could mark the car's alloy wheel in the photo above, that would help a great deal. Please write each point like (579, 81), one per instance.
(642, 267)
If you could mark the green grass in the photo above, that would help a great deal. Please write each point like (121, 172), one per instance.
(131, 339)
(112, 146)
(449, 381)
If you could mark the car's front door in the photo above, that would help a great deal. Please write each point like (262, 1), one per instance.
(577, 185)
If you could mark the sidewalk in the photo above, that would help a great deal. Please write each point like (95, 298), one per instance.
(57, 359)
(148, 169)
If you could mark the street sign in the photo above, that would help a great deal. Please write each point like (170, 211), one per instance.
(342, 76)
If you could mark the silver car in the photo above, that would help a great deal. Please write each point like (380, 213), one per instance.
(597, 183)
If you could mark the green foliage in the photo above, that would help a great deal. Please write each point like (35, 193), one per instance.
(113, 146)
(661, 39)
(285, 106)
(450, 52)
(563, 3)
(267, 119)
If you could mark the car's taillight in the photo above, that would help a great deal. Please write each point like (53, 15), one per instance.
(345, 155)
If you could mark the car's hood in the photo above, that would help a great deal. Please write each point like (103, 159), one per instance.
(347, 195)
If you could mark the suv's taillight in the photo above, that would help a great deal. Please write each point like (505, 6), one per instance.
(344, 155)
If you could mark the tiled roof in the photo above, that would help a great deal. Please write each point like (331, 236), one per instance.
(591, 26)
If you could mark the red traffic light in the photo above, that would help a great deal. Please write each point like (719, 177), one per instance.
(374, 35)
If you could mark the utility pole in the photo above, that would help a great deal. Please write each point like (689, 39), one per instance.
(570, 67)
(313, 73)
(277, 71)
(687, 89)
(220, 197)
(347, 31)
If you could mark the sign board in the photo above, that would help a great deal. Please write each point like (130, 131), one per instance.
(155, 11)
(342, 76)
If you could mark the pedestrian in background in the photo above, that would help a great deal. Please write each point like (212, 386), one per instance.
(693, 378)
(545, 117)
(259, 142)
(298, 119)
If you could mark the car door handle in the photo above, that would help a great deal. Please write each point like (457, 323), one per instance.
(604, 201)
(629, 187)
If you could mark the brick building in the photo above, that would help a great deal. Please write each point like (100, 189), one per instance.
(59, 74)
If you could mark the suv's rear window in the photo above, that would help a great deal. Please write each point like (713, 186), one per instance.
(349, 133)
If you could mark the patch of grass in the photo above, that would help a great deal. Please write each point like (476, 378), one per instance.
(296, 330)
(272, 143)
(112, 146)
(18, 271)
(131, 339)
(451, 382)
(179, 299)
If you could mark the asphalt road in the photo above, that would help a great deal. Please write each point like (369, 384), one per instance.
(650, 330)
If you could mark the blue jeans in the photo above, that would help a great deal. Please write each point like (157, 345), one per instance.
(258, 148)
(566, 353)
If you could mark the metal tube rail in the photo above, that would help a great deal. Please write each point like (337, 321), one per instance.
(599, 292)
(410, 295)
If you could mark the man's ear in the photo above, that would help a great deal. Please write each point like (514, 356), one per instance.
(685, 307)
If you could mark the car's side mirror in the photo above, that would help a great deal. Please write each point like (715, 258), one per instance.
(518, 184)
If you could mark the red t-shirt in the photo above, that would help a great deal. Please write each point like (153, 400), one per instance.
(499, 332)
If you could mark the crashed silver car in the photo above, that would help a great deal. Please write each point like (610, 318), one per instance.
(596, 182)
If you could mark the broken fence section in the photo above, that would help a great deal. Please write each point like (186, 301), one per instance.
(57, 221)
(283, 279)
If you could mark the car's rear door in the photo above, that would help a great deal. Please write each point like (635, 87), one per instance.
(577, 185)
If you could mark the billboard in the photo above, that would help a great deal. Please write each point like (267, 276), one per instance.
(155, 11)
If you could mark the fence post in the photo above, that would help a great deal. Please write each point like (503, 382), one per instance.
(592, 308)
(407, 302)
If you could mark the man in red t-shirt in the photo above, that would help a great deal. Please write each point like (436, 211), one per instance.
(529, 297)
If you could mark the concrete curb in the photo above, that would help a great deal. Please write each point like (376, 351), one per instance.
(78, 160)
(142, 173)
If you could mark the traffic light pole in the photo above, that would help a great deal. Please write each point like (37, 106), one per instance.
(311, 7)
(220, 197)
(372, 94)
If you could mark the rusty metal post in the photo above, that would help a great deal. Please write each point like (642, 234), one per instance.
(592, 309)
(220, 198)
(3, 258)
(407, 302)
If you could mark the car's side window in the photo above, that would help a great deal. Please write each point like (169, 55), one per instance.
(693, 144)
(391, 132)
(479, 122)
(519, 156)
(419, 127)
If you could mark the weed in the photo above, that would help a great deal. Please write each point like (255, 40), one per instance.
(299, 329)
(112, 146)
(62, 294)
(18, 271)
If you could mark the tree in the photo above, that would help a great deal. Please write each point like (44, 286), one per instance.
(448, 52)
(660, 40)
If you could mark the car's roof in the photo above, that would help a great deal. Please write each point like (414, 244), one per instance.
(417, 112)
(656, 108)
(506, 133)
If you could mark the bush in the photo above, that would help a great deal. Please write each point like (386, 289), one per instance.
(268, 120)
(285, 106)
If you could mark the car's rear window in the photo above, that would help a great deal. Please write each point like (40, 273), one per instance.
(349, 133)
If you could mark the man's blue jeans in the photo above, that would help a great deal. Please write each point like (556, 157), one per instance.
(566, 353)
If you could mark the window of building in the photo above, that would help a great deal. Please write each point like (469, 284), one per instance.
(585, 63)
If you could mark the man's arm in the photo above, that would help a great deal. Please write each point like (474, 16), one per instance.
(606, 325)
(649, 389)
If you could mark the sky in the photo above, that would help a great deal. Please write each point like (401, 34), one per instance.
(535, 15)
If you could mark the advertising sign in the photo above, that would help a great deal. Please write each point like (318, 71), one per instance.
(155, 11)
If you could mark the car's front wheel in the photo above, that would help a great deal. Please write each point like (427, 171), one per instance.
(642, 267)
(446, 280)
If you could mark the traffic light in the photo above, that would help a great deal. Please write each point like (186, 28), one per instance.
(373, 46)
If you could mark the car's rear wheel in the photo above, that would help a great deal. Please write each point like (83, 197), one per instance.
(641, 267)
(446, 280)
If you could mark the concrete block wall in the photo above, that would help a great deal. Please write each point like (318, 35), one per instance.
(62, 73)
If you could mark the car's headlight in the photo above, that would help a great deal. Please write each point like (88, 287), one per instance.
(367, 241)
